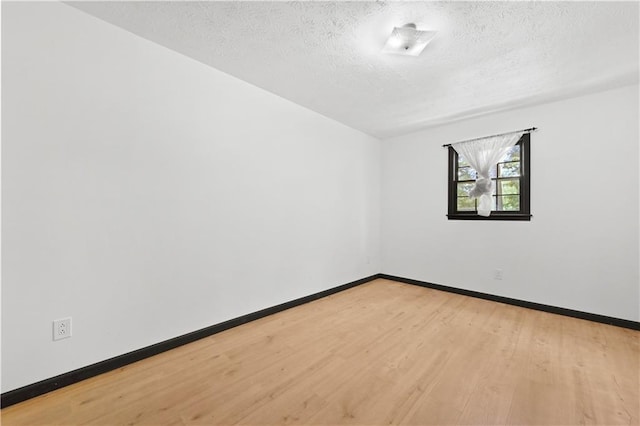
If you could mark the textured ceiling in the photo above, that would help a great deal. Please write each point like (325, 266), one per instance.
(487, 56)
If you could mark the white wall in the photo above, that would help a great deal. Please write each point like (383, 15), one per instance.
(580, 250)
(147, 195)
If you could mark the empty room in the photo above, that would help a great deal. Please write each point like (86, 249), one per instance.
(320, 213)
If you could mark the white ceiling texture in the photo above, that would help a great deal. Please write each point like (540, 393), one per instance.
(487, 56)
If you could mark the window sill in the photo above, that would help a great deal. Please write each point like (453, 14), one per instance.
(494, 216)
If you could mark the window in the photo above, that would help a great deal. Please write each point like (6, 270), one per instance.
(510, 182)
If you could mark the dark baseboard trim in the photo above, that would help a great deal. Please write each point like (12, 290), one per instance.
(30, 391)
(633, 325)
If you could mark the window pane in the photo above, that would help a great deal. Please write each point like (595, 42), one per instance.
(509, 169)
(466, 173)
(462, 162)
(464, 188)
(508, 202)
(513, 154)
(508, 186)
(466, 204)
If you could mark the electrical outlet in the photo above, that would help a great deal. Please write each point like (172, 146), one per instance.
(498, 274)
(61, 328)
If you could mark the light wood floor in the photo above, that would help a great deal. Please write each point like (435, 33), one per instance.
(380, 353)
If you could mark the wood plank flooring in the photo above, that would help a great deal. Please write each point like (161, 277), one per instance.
(380, 353)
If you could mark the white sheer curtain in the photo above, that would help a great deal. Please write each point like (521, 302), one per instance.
(483, 155)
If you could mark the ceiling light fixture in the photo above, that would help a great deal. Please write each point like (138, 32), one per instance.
(408, 41)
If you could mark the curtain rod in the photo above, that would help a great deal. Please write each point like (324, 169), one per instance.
(532, 129)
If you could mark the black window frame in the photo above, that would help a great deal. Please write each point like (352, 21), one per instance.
(525, 188)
